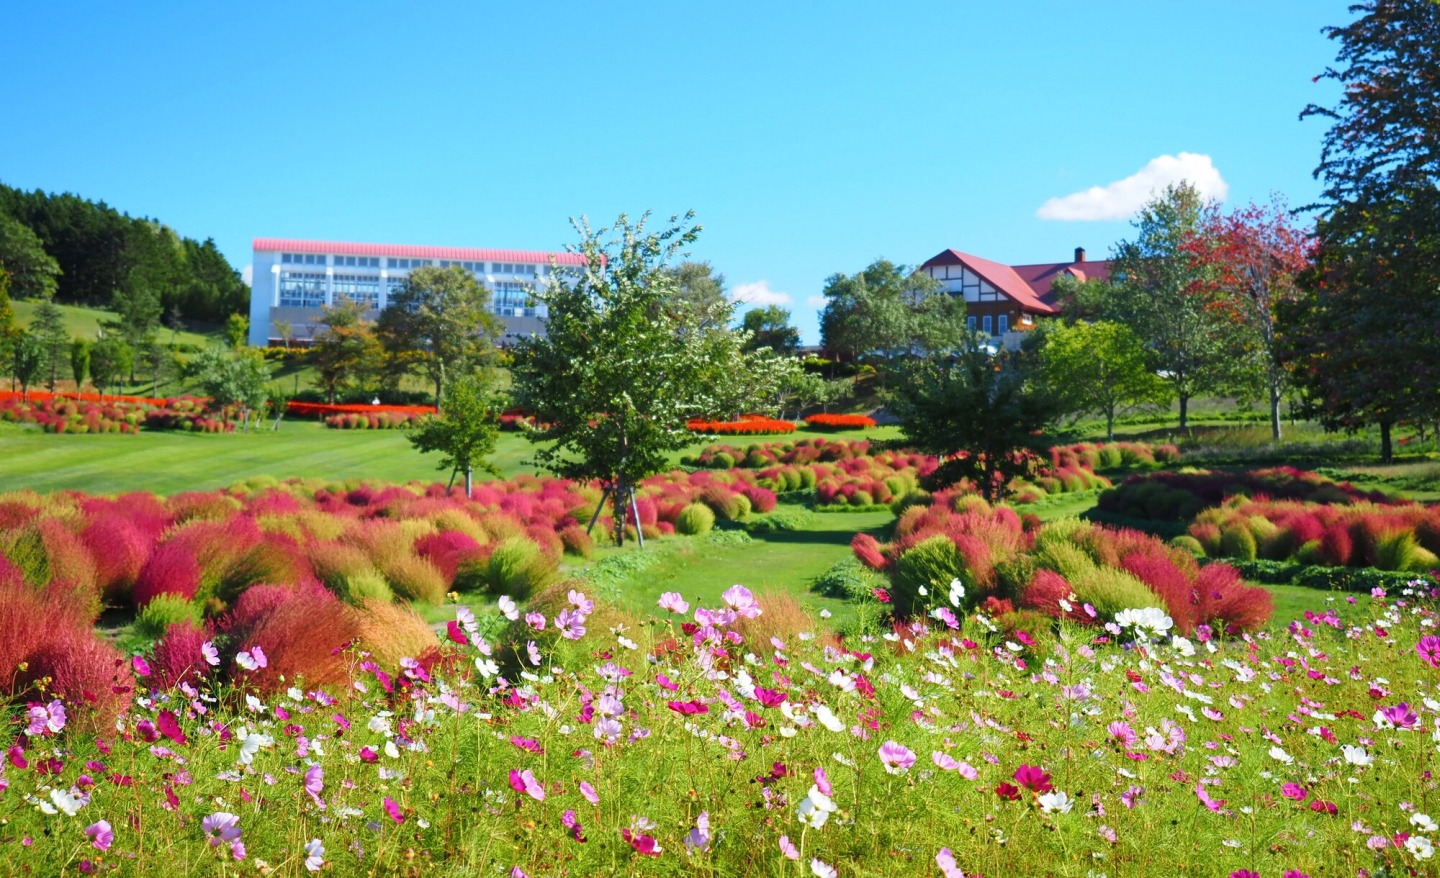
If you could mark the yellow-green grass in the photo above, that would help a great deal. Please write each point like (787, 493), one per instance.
(86, 323)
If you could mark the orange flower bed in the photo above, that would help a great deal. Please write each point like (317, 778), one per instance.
(748, 425)
(39, 395)
(839, 422)
(323, 409)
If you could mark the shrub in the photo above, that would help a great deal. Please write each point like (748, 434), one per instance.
(1109, 591)
(695, 519)
(576, 541)
(518, 568)
(163, 611)
(1237, 541)
(847, 579)
(1189, 544)
(928, 567)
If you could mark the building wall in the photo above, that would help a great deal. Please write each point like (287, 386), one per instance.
(293, 287)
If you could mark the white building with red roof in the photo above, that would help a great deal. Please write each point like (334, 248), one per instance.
(293, 279)
(1005, 301)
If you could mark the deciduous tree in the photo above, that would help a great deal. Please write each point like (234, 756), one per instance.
(233, 379)
(110, 358)
(346, 349)
(49, 330)
(1158, 293)
(769, 327)
(618, 372)
(32, 271)
(872, 311)
(79, 361)
(1252, 259)
(1098, 367)
(465, 429)
(442, 315)
(27, 361)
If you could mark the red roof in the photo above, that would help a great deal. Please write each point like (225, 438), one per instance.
(1028, 285)
(473, 254)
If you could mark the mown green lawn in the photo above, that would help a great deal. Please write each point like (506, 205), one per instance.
(167, 463)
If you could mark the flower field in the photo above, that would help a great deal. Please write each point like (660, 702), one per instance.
(1014, 697)
(707, 742)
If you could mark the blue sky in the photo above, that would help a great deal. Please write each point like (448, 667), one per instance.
(809, 138)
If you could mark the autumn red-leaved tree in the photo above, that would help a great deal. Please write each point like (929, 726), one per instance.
(1252, 258)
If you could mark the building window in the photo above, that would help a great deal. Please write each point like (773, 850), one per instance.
(299, 289)
(970, 323)
(1004, 323)
(361, 288)
(985, 324)
(513, 300)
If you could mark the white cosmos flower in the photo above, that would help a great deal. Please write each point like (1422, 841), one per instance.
(1056, 802)
(1423, 822)
(69, 801)
(957, 592)
(827, 718)
(1279, 755)
(1420, 846)
(1356, 755)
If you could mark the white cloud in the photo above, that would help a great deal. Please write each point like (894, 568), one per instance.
(247, 274)
(1123, 198)
(817, 302)
(758, 295)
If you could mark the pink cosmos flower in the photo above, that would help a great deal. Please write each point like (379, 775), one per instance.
(822, 780)
(1244, 873)
(897, 758)
(237, 850)
(769, 697)
(1212, 804)
(666, 683)
(581, 603)
(455, 633)
(524, 782)
(253, 659)
(946, 861)
(142, 667)
(688, 708)
(1294, 792)
(1429, 650)
(221, 826)
(100, 834)
(168, 724)
(314, 855)
(788, 848)
(944, 761)
(742, 601)
(1132, 797)
(589, 793)
(698, 838)
(674, 603)
(535, 621)
(211, 654)
(46, 719)
(393, 810)
(1400, 716)
(315, 783)
(820, 869)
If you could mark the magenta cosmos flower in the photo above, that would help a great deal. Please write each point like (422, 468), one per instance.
(1429, 650)
(101, 835)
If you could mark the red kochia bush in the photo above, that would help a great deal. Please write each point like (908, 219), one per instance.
(48, 632)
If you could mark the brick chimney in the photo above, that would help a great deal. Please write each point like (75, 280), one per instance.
(1079, 254)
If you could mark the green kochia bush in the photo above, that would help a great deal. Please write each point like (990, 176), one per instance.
(162, 612)
(695, 519)
(929, 566)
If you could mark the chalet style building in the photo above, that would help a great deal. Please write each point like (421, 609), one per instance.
(1006, 301)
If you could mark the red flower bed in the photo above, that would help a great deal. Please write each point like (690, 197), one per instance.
(322, 409)
(40, 395)
(839, 422)
(748, 425)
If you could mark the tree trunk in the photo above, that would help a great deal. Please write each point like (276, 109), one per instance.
(1110, 425)
(1184, 412)
(620, 502)
(1387, 450)
(469, 482)
(1275, 411)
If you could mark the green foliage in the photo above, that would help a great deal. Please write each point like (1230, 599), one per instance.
(1237, 541)
(49, 330)
(769, 327)
(1192, 345)
(1348, 579)
(981, 411)
(1099, 367)
(162, 612)
(518, 568)
(847, 579)
(440, 319)
(345, 350)
(98, 250)
(110, 358)
(31, 270)
(465, 430)
(873, 310)
(232, 378)
(699, 293)
(618, 372)
(27, 360)
(925, 572)
(79, 361)
(695, 519)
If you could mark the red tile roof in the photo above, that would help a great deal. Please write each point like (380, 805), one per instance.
(291, 245)
(1028, 285)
